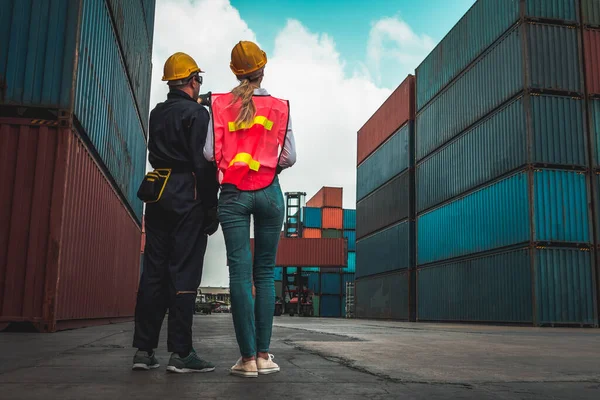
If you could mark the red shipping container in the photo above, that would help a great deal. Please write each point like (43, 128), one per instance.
(68, 246)
(327, 197)
(311, 233)
(333, 218)
(398, 109)
(591, 44)
(304, 252)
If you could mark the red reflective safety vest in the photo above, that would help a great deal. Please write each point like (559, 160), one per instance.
(247, 155)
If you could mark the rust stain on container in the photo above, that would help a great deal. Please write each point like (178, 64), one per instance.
(68, 246)
(311, 233)
(591, 45)
(327, 197)
(304, 252)
(393, 113)
(333, 218)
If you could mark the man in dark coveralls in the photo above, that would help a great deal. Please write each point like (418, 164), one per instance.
(178, 224)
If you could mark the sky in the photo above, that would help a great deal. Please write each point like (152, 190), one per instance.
(335, 61)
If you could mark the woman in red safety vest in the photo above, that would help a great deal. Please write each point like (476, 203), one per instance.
(252, 142)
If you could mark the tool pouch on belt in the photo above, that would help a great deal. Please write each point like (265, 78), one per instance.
(153, 185)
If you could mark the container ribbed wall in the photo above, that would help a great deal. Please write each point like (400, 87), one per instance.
(492, 288)
(351, 236)
(564, 10)
(386, 162)
(37, 52)
(349, 219)
(104, 104)
(312, 217)
(385, 206)
(383, 296)
(498, 216)
(351, 263)
(385, 251)
(331, 306)
(590, 11)
(331, 283)
(594, 107)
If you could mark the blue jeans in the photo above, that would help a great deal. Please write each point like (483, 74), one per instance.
(252, 318)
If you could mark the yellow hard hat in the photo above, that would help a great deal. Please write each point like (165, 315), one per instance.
(179, 66)
(247, 58)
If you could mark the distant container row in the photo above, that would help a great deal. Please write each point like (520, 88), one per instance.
(329, 218)
(87, 58)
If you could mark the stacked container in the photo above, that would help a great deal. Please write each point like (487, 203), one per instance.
(385, 209)
(75, 84)
(503, 168)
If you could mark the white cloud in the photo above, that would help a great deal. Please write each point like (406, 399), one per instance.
(393, 40)
(327, 107)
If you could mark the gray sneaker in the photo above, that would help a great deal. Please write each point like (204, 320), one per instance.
(191, 363)
(143, 361)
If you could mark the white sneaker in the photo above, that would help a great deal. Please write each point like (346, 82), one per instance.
(266, 367)
(245, 369)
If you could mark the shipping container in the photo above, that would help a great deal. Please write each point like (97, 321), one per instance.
(393, 113)
(552, 64)
(384, 207)
(351, 236)
(499, 288)
(136, 44)
(477, 30)
(312, 217)
(388, 161)
(498, 215)
(327, 197)
(590, 11)
(104, 103)
(383, 296)
(333, 218)
(351, 263)
(149, 8)
(551, 127)
(68, 246)
(332, 233)
(331, 306)
(594, 112)
(347, 278)
(385, 251)
(313, 282)
(300, 252)
(316, 306)
(278, 273)
(311, 233)
(349, 219)
(331, 283)
(310, 269)
(591, 45)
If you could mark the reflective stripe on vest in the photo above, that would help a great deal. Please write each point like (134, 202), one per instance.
(246, 159)
(260, 120)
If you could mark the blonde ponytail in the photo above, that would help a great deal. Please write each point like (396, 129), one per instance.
(244, 92)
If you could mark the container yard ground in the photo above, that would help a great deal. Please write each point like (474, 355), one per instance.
(320, 359)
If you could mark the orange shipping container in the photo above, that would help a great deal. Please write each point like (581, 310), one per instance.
(333, 218)
(327, 197)
(303, 252)
(393, 113)
(311, 233)
(68, 246)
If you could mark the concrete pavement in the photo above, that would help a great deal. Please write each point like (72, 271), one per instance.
(320, 358)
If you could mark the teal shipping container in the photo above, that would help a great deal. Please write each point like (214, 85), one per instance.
(351, 236)
(351, 268)
(331, 283)
(480, 28)
(383, 296)
(385, 251)
(313, 281)
(278, 273)
(590, 11)
(331, 306)
(542, 129)
(595, 128)
(349, 222)
(312, 217)
(499, 215)
(386, 162)
(503, 288)
(548, 55)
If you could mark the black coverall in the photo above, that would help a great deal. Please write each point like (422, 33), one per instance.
(175, 238)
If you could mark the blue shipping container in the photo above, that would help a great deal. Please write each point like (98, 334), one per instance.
(385, 163)
(312, 217)
(351, 236)
(590, 11)
(498, 216)
(331, 283)
(499, 145)
(498, 287)
(331, 306)
(104, 104)
(351, 263)
(349, 222)
(313, 282)
(383, 296)
(384, 251)
(498, 76)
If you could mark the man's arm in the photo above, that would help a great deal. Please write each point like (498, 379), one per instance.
(206, 172)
